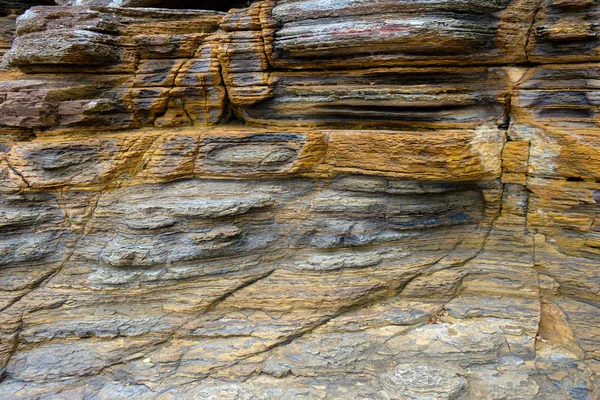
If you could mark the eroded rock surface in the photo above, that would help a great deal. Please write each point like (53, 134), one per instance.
(301, 199)
(9, 11)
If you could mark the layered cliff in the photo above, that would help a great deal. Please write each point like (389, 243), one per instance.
(362, 199)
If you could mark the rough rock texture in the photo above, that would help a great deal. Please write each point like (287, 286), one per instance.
(219, 5)
(302, 199)
(9, 11)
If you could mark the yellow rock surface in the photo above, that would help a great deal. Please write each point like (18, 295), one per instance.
(300, 199)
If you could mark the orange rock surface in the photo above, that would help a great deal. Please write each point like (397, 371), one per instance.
(301, 199)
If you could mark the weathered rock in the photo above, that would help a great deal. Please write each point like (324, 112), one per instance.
(301, 199)
(164, 76)
(423, 382)
(391, 33)
(219, 5)
(564, 31)
(9, 11)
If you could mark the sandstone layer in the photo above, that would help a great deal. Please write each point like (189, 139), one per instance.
(301, 199)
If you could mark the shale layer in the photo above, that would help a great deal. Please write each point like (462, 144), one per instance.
(300, 199)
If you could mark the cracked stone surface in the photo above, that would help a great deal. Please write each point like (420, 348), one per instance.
(300, 199)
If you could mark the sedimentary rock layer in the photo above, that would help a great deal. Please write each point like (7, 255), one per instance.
(301, 199)
(9, 11)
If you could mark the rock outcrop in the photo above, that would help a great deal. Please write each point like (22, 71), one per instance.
(9, 11)
(383, 199)
(217, 5)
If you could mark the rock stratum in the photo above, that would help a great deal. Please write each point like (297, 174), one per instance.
(300, 199)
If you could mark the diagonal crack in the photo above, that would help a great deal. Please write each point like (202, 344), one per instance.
(380, 295)
(44, 280)
(530, 30)
(215, 303)
(170, 335)
(17, 172)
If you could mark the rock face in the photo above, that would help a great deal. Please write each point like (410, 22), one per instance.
(9, 11)
(302, 199)
(218, 5)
